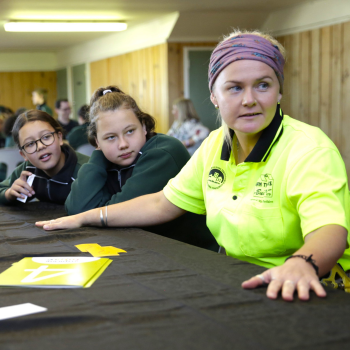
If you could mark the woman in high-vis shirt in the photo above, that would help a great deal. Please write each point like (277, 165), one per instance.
(274, 189)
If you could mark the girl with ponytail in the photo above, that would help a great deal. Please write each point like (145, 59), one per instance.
(131, 160)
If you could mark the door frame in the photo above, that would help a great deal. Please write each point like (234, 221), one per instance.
(186, 65)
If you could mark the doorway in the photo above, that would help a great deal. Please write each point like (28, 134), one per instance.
(196, 62)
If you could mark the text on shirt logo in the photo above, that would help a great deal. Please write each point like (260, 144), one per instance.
(264, 187)
(216, 178)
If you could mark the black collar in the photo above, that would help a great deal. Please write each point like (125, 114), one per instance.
(263, 147)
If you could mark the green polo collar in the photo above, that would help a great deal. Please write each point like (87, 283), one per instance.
(263, 147)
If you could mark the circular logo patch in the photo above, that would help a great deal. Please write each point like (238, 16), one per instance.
(216, 178)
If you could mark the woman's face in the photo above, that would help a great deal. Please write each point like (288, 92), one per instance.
(175, 112)
(120, 136)
(50, 158)
(247, 93)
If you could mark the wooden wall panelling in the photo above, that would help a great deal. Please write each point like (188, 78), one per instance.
(325, 76)
(99, 74)
(315, 78)
(345, 96)
(16, 88)
(174, 74)
(294, 54)
(317, 81)
(143, 75)
(335, 111)
(285, 102)
(304, 91)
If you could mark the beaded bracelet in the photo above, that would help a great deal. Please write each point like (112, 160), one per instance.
(307, 259)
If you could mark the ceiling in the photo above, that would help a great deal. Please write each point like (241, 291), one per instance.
(131, 11)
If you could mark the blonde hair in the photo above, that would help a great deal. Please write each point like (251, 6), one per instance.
(42, 92)
(186, 110)
(266, 36)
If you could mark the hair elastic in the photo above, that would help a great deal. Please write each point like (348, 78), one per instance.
(106, 91)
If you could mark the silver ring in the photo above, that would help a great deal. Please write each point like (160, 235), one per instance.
(261, 277)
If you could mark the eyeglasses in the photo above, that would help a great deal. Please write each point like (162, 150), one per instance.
(32, 146)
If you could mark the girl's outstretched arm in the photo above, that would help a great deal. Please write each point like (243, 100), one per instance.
(151, 209)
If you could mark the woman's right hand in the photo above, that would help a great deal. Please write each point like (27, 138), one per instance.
(20, 188)
(67, 222)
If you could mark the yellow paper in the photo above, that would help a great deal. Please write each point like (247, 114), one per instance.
(105, 251)
(54, 272)
(85, 247)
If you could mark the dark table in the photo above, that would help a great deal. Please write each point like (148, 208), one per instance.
(162, 294)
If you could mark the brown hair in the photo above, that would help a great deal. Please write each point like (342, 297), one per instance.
(111, 101)
(33, 115)
(186, 109)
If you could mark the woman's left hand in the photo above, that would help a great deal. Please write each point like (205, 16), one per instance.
(294, 275)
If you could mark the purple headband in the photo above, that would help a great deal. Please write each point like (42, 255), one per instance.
(245, 47)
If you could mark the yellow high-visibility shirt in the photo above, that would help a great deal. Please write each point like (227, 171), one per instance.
(293, 182)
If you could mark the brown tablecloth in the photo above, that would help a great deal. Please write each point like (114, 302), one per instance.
(162, 294)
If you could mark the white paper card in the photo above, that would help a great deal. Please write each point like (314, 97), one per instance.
(19, 310)
(30, 183)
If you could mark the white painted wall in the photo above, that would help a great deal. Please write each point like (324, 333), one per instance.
(311, 15)
(202, 26)
(135, 38)
(27, 61)
(211, 26)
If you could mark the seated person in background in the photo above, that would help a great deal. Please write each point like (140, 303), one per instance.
(3, 118)
(39, 98)
(63, 110)
(78, 136)
(6, 110)
(274, 189)
(55, 166)
(187, 126)
(9, 123)
(131, 160)
(3, 167)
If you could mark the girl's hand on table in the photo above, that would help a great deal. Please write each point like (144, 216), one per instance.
(20, 188)
(66, 222)
(294, 275)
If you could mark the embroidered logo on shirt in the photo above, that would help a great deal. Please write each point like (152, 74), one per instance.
(264, 186)
(216, 178)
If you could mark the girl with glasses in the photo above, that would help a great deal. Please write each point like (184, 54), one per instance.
(54, 165)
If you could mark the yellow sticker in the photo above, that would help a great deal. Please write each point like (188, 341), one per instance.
(85, 247)
(105, 251)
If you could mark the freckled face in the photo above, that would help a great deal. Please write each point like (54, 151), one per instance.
(120, 136)
(247, 93)
(50, 158)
